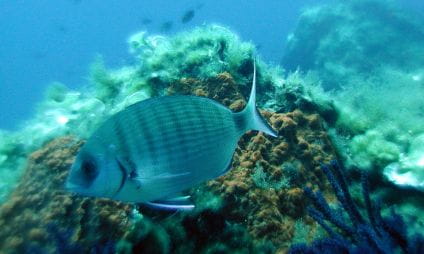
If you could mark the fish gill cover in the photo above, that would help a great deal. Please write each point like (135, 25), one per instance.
(260, 205)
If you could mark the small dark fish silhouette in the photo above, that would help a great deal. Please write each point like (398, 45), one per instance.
(166, 26)
(187, 17)
(200, 6)
(39, 55)
(62, 28)
(146, 21)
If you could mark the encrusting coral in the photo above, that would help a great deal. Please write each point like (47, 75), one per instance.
(270, 212)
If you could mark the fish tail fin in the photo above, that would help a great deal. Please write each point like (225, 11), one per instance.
(250, 118)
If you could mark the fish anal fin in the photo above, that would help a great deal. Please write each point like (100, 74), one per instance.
(174, 203)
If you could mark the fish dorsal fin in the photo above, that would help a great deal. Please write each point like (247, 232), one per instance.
(250, 118)
(252, 97)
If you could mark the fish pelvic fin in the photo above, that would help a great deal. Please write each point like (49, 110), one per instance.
(250, 118)
(180, 203)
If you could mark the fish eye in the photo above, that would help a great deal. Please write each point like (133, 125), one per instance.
(89, 170)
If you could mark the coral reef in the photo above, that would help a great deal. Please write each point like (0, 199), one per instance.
(39, 201)
(375, 234)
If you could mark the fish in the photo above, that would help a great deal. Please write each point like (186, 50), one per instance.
(187, 17)
(153, 150)
(146, 21)
(76, 1)
(166, 26)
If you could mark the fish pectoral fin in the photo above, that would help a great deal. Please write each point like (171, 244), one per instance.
(163, 181)
(162, 176)
(185, 198)
(174, 203)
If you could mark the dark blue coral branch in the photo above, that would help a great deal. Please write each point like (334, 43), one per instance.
(374, 234)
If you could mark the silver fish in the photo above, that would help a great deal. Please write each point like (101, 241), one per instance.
(156, 148)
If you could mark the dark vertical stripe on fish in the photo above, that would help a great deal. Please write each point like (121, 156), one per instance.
(166, 150)
(120, 135)
(200, 115)
(153, 146)
(182, 134)
(124, 172)
(137, 149)
(147, 135)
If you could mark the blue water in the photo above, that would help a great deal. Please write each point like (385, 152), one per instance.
(44, 41)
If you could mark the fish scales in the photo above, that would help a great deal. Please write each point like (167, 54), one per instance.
(184, 119)
(137, 141)
(158, 135)
(174, 138)
(166, 150)
(188, 135)
(183, 137)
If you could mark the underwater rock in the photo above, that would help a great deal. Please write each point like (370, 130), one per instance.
(222, 88)
(377, 93)
(341, 40)
(40, 200)
(12, 158)
(200, 53)
(301, 91)
(286, 163)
